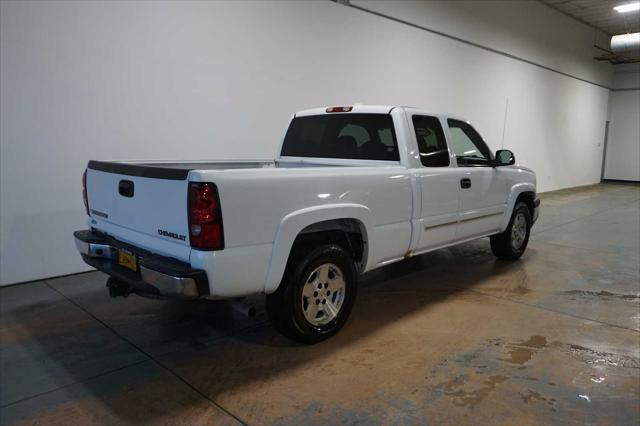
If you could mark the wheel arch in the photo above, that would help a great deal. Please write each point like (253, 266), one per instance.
(309, 223)
(519, 192)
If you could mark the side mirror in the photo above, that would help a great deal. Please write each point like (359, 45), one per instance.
(504, 157)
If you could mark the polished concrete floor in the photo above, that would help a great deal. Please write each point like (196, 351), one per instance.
(451, 337)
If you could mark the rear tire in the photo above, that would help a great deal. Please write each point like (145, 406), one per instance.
(512, 243)
(316, 295)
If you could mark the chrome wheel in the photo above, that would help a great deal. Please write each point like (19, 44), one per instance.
(518, 231)
(323, 294)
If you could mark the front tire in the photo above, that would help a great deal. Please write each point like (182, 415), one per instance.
(512, 243)
(316, 295)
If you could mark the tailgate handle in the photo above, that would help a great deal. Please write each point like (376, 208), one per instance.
(125, 188)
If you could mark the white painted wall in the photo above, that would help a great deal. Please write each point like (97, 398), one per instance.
(205, 80)
(623, 145)
(626, 76)
(526, 29)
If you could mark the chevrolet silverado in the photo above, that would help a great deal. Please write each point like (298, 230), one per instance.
(353, 188)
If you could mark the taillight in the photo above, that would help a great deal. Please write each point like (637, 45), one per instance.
(84, 192)
(205, 217)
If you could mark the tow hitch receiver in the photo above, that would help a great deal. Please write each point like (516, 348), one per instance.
(118, 288)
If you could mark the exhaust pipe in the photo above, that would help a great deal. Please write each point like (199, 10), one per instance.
(243, 308)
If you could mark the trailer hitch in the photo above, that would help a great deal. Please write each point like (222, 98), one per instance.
(118, 288)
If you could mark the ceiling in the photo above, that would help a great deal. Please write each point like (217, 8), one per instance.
(599, 14)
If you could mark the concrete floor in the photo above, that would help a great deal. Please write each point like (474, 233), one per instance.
(452, 337)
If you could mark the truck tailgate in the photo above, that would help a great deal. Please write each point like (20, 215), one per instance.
(144, 205)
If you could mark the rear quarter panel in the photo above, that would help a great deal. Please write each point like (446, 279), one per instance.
(264, 209)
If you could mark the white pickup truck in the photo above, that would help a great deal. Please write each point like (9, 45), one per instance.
(353, 188)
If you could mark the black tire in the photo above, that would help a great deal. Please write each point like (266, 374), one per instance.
(286, 308)
(505, 245)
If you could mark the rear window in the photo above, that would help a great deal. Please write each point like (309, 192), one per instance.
(351, 136)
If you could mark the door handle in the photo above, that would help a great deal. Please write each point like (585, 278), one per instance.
(125, 188)
(465, 183)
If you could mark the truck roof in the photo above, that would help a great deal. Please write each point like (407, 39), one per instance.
(357, 108)
(371, 109)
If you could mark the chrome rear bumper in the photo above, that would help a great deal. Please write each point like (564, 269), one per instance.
(156, 275)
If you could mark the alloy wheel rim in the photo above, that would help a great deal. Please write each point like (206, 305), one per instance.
(323, 294)
(518, 231)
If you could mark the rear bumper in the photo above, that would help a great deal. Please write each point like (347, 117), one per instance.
(156, 276)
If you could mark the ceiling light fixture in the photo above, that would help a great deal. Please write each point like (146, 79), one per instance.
(629, 7)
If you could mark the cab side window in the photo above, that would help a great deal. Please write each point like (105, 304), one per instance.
(432, 144)
(467, 145)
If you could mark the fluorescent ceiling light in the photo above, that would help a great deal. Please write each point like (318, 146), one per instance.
(629, 7)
